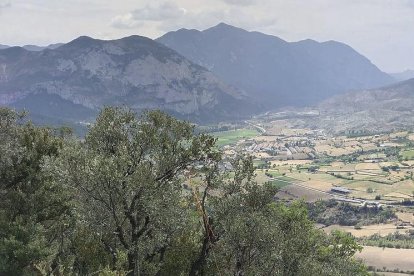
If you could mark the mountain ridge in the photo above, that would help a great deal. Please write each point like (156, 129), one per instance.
(281, 72)
(134, 71)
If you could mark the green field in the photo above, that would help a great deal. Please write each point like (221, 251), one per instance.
(282, 181)
(279, 184)
(232, 136)
(407, 154)
(258, 163)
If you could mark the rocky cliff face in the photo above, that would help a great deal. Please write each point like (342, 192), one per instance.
(133, 71)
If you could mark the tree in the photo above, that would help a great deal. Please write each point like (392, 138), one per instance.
(146, 196)
(32, 208)
(127, 176)
(245, 232)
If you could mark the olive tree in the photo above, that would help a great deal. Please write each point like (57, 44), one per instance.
(33, 210)
(127, 176)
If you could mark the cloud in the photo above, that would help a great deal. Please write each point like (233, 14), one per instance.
(152, 12)
(4, 5)
(126, 21)
(239, 2)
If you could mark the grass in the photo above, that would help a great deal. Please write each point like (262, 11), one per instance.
(258, 163)
(407, 154)
(274, 173)
(279, 184)
(233, 136)
(281, 181)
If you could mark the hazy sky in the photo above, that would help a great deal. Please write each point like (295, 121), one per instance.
(382, 30)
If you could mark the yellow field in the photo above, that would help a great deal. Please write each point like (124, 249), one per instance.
(398, 195)
(334, 151)
(368, 166)
(399, 134)
(319, 185)
(369, 230)
(368, 146)
(261, 177)
(316, 177)
(294, 192)
(360, 188)
(338, 166)
(391, 258)
(406, 217)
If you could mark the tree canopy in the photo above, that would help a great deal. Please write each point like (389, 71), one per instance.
(145, 195)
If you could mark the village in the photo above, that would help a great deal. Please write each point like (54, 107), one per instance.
(373, 174)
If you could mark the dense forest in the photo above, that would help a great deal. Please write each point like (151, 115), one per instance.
(147, 195)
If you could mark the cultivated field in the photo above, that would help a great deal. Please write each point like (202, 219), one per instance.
(369, 230)
(389, 258)
(295, 192)
(233, 136)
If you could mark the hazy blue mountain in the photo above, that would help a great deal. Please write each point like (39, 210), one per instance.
(75, 80)
(381, 109)
(402, 76)
(41, 48)
(275, 71)
(35, 47)
(397, 97)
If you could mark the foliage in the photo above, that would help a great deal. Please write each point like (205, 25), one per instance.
(146, 196)
(392, 240)
(331, 212)
(34, 212)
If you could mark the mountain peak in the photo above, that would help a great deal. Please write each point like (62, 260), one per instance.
(82, 41)
(224, 27)
(278, 72)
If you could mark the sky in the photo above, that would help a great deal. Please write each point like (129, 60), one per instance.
(382, 30)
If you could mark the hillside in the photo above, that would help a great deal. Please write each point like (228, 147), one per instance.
(275, 71)
(402, 76)
(396, 97)
(381, 109)
(75, 80)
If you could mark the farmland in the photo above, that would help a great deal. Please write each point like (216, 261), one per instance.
(233, 136)
(407, 154)
(389, 258)
(374, 171)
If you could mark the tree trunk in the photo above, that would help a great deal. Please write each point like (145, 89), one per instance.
(197, 268)
(133, 264)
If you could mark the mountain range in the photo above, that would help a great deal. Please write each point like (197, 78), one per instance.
(34, 48)
(222, 73)
(86, 74)
(274, 71)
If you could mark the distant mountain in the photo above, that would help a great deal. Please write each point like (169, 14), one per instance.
(71, 82)
(35, 47)
(274, 71)
(381, 109)
(402, 76)
(397, 97)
